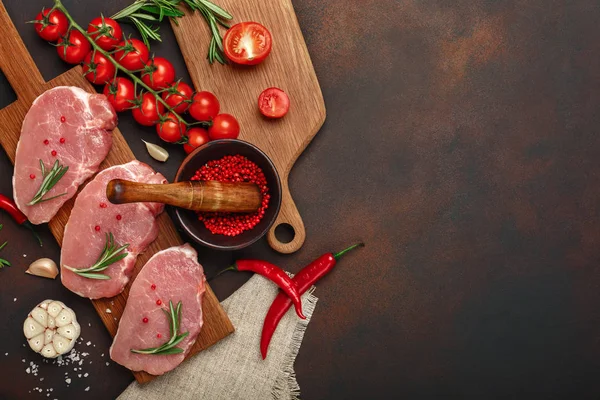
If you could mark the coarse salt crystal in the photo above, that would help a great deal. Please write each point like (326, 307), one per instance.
(24, 255)
(68, 380)
(107, 364)
(108, 310)
(88, 343)
(85, 375)
(15, 299)
(28, 370)
(87, 389)
(5, 354)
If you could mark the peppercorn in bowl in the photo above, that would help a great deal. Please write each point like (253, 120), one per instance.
(230, 160)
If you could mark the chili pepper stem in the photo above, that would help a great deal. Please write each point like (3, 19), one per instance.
(59, 6)
(337, 256)
(230, 268)
(29, 226)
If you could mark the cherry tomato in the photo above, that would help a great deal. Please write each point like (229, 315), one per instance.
(196, 138)
(52, 25)
(106, 32)
(178, 96)
(170, 129)
(120, 93)
(224, 126)
(148, 110)
(98, 70)
(158, 73)
(73, 48)
(205, 106)
(273, 103)
(247, 43)
(133, 54)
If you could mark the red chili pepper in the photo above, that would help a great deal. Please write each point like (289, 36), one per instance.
(274, 274)
(303, 281)
(11, 208)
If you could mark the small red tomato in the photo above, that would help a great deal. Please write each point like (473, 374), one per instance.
(224, 126)
(51, 25)
(158, 73)
(120, 93)
(170, 129)
(205, 106)
(106, 32)
(73, 47)
(98, 70)
(273, 103)
(147, 110)
(196, 138)
(132, 54)
(178, 96)
(247, 43)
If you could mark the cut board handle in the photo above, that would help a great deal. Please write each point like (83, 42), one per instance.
(288, 214)
(15, 61)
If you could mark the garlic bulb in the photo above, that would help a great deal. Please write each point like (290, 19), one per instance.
(51, 329)
(43, 267)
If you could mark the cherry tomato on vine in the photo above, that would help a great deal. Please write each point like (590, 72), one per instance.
(51, 25)
(205, 106)
(178, 96)
(106, 32)
(73, 47)
(132, 54)
(158, 73)
(98, 69)
(196, 138)
(224, 126)
(273, 103)
(170, 129)
(147, 110)
(247, 43)
(120, 93)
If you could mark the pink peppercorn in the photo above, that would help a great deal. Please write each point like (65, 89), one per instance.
(145, 320)
(233, 169)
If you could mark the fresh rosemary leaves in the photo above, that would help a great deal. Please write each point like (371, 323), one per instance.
(174, 316)
(3, 262)
(110, 255)
(146, 14)
(51, 178)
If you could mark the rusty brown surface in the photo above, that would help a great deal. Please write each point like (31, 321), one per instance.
(461, 144)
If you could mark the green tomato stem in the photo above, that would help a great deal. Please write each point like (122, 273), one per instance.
(58, 5)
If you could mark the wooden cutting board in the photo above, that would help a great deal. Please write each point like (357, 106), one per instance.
(288, 67)
(28, 83)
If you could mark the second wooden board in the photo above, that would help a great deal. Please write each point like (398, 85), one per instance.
(288, 67)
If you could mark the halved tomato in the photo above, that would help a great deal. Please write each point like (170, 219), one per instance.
(247, 43)
(273, 103)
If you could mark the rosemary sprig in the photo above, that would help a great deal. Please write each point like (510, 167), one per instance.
(110, 255)
(146, 14)
(174, 316)
(3, 262)
(51, 178)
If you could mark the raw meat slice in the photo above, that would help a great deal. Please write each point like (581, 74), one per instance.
(93, 216)
(173, 274)
(85, 128)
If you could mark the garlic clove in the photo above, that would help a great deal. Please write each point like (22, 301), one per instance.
(54, 308)
(156, 152)
(32, 328)
(64, 318)
(61, 344)
(37, 342)
(43, 267)
(51, 322)
(68, 331)
(40, 315)
(48, 335)
(48, 351)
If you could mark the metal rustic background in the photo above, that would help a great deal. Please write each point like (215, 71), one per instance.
(462, 145)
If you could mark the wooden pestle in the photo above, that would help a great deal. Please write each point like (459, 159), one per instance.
(193, 195)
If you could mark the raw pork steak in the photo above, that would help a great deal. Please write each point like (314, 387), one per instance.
(75, 126)
(93, 216)
(172, 274)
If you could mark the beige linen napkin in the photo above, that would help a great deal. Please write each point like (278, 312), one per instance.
(234, 368)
